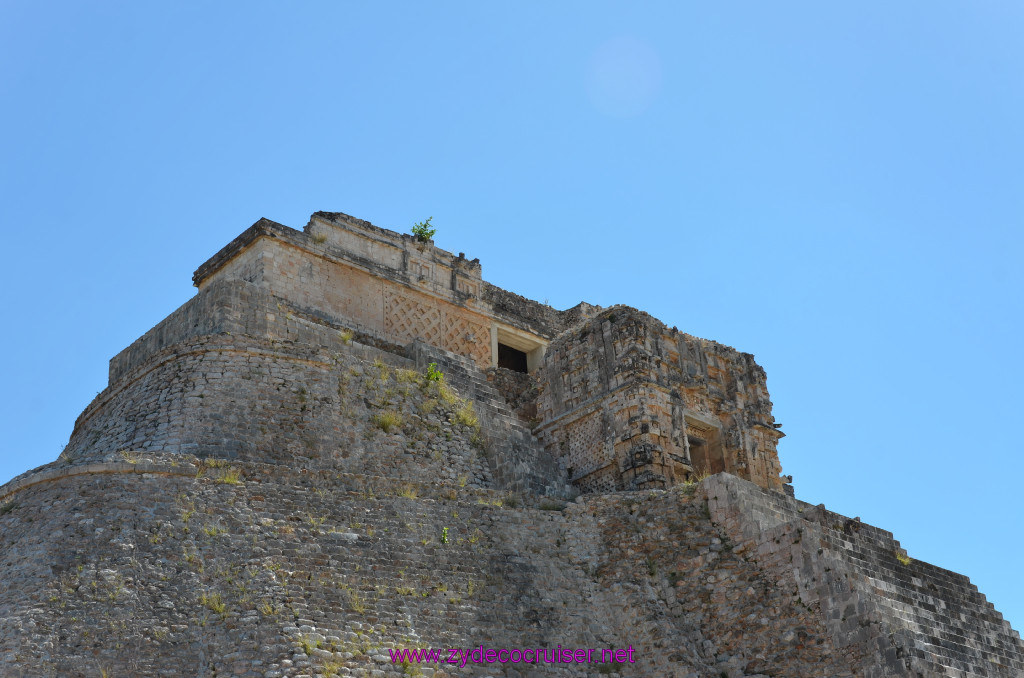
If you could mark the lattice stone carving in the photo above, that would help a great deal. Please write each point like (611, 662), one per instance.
(587, 450)
(408, 317)
(468, 336)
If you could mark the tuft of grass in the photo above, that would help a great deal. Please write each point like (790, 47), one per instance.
(466, 416)
(698, 476)
(346, 336)
(212, 530)
(387, 420)
(8, 507)
(447, 395)
(130, 457)
(232, 476)
(213, 602)
(331, 667)
(355, 601)
(408, 491)
(903, 558)
(308, 644)
(410, 669)
(405, 376)
(319, 238)
(383, 371)
(427, 406)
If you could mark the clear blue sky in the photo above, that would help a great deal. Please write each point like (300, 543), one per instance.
(836, 189)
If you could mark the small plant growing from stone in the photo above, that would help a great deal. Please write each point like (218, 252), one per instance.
(315, 522)
(212, 530)
(423, 231)
(903, 558)
(444, 535)
(410, 669)
(434, 374)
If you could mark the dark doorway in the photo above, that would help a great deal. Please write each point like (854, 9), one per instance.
(511, 359)
(706, 453)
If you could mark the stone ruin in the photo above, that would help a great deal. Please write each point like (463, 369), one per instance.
(278, 481)
(617, 399)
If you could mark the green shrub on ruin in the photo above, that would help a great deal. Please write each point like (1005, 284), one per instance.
(423, 231)
(434, 375)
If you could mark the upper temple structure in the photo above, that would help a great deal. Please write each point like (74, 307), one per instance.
(614, 397)
(347, 445)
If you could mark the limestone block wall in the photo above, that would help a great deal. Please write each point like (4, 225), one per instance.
(627, 403)
(518, 460)
(922, 619)
(382, 283)
(237, 397)
(175, 566)
(262, 383)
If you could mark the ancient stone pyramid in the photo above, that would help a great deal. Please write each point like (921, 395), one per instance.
(349, 444)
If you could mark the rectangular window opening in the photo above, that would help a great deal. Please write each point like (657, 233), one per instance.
(511, 358)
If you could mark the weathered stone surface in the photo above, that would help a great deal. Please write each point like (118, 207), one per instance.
(628, 403)
(276, 482)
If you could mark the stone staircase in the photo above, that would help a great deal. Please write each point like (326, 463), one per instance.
(940, 620)
(952, 629)
(517, 459)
